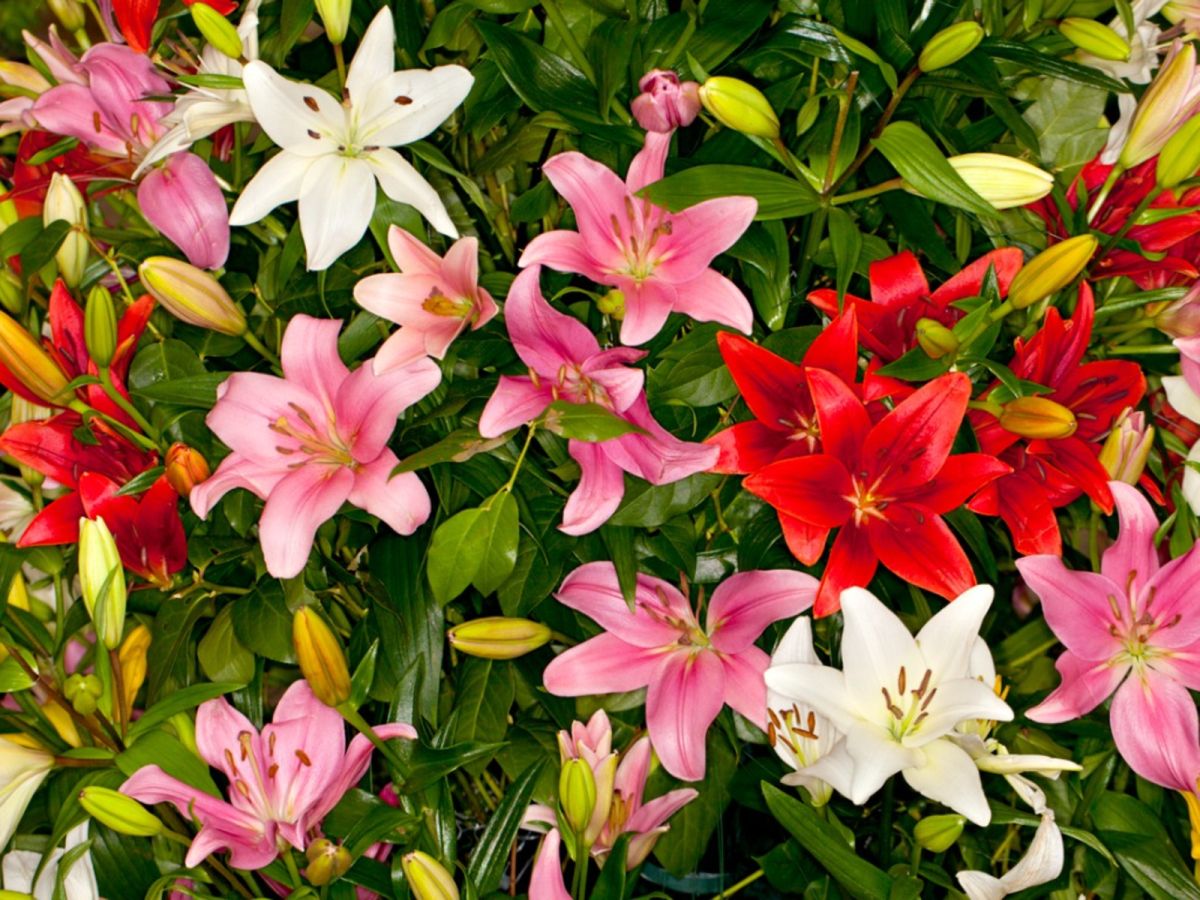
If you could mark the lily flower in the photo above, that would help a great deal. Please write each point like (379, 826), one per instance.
(1042, 863)
(433, 299)
(78, 882)
(658, 259)
(1132, 631)
(334, 152)
(136, 18)
(314, 439)
(690, 672)
(884, 486)
(566, 364)
(282, 782)
(23, 767)
(546, 881)
(897, 699)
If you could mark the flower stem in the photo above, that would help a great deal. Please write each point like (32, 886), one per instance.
(252, 339)
(512, 479)
(340, 59)
(884, 186)
(839, 129)
(888, 112)
(745, 882)
(581, 868)
(110, 388)
(1104, 192)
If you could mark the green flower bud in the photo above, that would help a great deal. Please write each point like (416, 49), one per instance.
(335, 16)
(102, 578)
(326, 861)
(1095, 38)
(577, 794)
(83, 692)
(937, 834)
(69, 13)
(612, 304)
(740, 106)
(191, 294)
(65, 203)
(100, 326)
(120, 813)
(1051, 270)
(428, 878)
(217, 30)
(950, 45)
(1180, 156)
(1003, 181)
(935, 338)
(498, 637)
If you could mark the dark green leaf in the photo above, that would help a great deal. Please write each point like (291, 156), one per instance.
(490, 855)
(499, 554)
(586, 422)
(924, 167)
(778, 196)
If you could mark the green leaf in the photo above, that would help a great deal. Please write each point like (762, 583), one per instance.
(13, 677)
(778, 196)
(213, 82)
(165, 751)
(432, 763)
(917, 365)
(499, 555)
(846, 241)
(196, 391)
(918, 160)
(680, 849)
(55, 150)
(586, 422)
(858, 48)
(458, 446)
(611, 883)
(221, 655)
(483, 692)
(650, 506)
(456, 552)
(619, 544)
(1043, 63)
(179, 701)
(262, 622)
(1135, 835)
(40, 251)
(490, 856)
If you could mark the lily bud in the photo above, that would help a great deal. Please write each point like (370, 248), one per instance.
(935, 338)
(12, 296)
(326, 861)
(1051, 270)
(1172, 98)
(100, 326)
(1003, 181)
(122, 814)
(335, 16)
(1180, 156)
(577, 794)
(498, 637)
(1095, 38)
(102, 578)
(217, 30)
(950, 45)
(320, 657)
(1038, 418)
(43, 381)
(937, 834)
(428, 878)
(69, 14)
(1181, 318)
(612, 304)
(740, 106)
(132, 656)
(1127, 447)
(185, 468)
(65, 203)
(665, 103)
(190, 294)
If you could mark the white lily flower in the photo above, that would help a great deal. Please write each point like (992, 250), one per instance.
(897, 699)
(335, 151)
(22, 771)
(1042, 862)
(79, 882)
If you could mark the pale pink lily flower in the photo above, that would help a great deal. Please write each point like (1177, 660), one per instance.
(313, 440)
(566, 364)
(546, 881)
(1132, 631)
(690, 672)
(282, 782)
(660, 260)
(432, 298)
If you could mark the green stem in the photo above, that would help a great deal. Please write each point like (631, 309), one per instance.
(354, 717)
(120, 427)
(1139, 349)
(340, 59)
(581, 868)
(745, 882)
(110, 388)
(881, 188)
(888, 112)
(1130, 221)
(289, 860)
(838, 131)
(250, 338)
(816, 230)
(1104, 192)
(554, 14)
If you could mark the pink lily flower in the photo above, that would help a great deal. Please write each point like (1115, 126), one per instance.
(690, 672)
(433, 299)
(101, 100)
(660, 260)
(1135, 618)
(282, 782)
(546, 881)
(313, 440)
(566, 363)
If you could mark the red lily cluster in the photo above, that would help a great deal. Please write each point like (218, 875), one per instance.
(136, 18)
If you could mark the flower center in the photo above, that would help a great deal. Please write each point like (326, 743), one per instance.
(866, 500)
(318, 445)
(638, 240)
(441, 305)
(573, 385)
(803, 428)
(789, 728)
(908, 714)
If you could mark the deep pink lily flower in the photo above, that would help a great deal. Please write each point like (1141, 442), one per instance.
(660, 260)
(282, 782)
(566, 363)
(313, 440)
(433, 299)
(689, 672)
(1132, 632)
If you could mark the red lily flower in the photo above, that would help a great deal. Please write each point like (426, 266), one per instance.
(29, 182)
(1050, 473)
(147, 529)
(900, 296)
(137, 17)
(884, 486)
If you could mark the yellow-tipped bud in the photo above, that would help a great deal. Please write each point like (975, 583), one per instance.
(120, 813)
(612, 304)
(428, 878)
(1180, 156)
(335, 16)
(950, 45)
(937, 834)
(32, 366)
(320, 657)
(217, 30)
(326, 861)
(1003, 181)
(185, 468)
(102, 578)
(132, 655)
(15, 895)
(740, 106)
(1051, 270)
(65, 203)
(1095, 38)
(69, 14)
(191, 294)
(577, 794)
(100, 326)
(935, 338)
(498, 637)
(1162, 109)
(1037, 418)
(1127, 447)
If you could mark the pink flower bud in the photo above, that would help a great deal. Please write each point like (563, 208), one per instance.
(666, 104)
(1181, 318)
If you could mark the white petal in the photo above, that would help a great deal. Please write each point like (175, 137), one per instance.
(1181, 396)
(1032, 795)
(796, 645)
(375, 57)
(948, 775)
(959, 700)
(833, 770)
(982, 666)
(875, 644)
(302, 118)
(821, 687)
(1042, 863)
(1012, 763)
(403, 183)
(877, 757)
(407, 105)
(171, 141)
(336, 202)
(276, 182)
(948, 639)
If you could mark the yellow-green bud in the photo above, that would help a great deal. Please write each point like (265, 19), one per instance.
(1180, 156)
(326, 861)
(1095, 38)
(65, 203)
(740, 106)
(185, 730)
(100, 326)
(191, 294)
(1003, 181)
(23, 356)
(83, 692)
(217, 30)
(937, 834)
(1051, 270)
(102, 578)
(612, 304)
(335, 16)
(320, 657)
(950, 45)
(69, 14)
(1127, 447)
(428, 878)
(498, 637)
(120, 813)
(1038, 418)
(12, 297)
(577, 794)
(935, 338)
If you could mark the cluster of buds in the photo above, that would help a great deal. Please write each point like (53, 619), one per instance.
(83, 692)
(327, 861)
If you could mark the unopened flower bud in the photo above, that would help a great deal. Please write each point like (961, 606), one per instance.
(1003, 181)
(217, 30)
(1038, 418)
(1051, 270)
(102, 578)
(100, 326)
(1095, 38)
(326, 861)
(1170, 101)
(428, 878)
(335, 16)
(1181, 318)
(83, 692)
(69, 13)
(40, 377)
(937, 834)
(740, 106)
(498, 637)
(12, 296)
(190, 294)
(950, 45)
(185, 468)
(1180, 156)
(935, 338)
(612, 304)
(665, 103)
(577, 794)
(320, 656)
(65, 203)
(122, 814)
(132, 656)
(1127, 447)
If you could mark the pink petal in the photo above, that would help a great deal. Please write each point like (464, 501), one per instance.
(700, 233)
(545, 339)
(309, 353)
(599, 492)
(610, 370)
(657, 456)
(1085, 685)
(711, 297)
(248, 403)
(182, 199)
(401, 501)
(366, 405)
(72, 111)
(632, 772)
(411, 254)
(1174, 602)
(596, 195)
(1076, 605)
(647, 306)
(593, 589)
(219, 728)
(1132, 555)
(648, 166)
(681, 704)
(403, 347)
(745, 689)
(744, 604)
(515, 401)
(399, 298)
(460, 268)
(564, 251)
(235, 471)
(297, 507)
(1155, 726)
(604, 664)
(656, 812)
(546, 882)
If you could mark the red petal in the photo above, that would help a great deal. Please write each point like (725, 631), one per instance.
(1080, 463)
(224, 7)
(918, 546)
(749, 446)
(836, 347)
(160, 532)
(66, 328)
(897, 280)
(136, 18)
(1023, 505)
(852, 563)
(961, 476)
(843, 419)
(96, 491)
(807, 542)
(1007, 262)
(773, 388)
(58, 523)
(812, 488)
(129, 332)
(1097, 392)
(909, 445)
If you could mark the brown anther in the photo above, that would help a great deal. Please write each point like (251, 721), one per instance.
(901, 681)
(920, 691)
(229, 760)
(242, 788)
(919, 719)
(928, 699)
(96, 125)
(303, 757)
(311, 103)
(771, 738)
(271, 772)
(667, 227)
(314, 135)
(771, 714)
(891, 707)
(244, 738)
(812, 722)
(271, 744)
(402, 100)
(370, 148)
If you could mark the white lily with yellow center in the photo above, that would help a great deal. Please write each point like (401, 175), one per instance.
(898, 699)
(334, 151)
